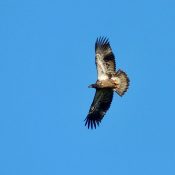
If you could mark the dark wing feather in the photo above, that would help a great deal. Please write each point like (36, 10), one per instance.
(105, 59)
(99, 106)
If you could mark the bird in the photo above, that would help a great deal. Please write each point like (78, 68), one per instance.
(109, 80)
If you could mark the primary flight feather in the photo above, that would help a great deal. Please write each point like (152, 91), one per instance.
(108, 82)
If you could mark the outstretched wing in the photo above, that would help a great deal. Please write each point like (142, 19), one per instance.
(104, 58)
(99, 106)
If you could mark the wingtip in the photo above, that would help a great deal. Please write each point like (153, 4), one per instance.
(102, 39)
(91, 123)
(102, 42)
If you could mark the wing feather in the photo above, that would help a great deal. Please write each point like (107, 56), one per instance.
(105, 59)
(100, 105)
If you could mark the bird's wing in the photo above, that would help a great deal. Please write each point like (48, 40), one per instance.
(99, 106)
(104, 58)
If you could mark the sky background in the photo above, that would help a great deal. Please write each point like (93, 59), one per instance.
(46, 64)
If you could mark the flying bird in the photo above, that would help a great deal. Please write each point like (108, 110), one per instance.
(109, 81)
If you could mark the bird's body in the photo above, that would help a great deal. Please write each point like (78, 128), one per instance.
(109, 81)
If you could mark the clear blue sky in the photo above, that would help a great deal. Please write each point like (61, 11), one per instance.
(46, 64)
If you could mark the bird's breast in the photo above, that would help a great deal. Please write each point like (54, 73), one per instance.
(107, 83)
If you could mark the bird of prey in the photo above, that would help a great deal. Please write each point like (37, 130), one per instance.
(109, 81)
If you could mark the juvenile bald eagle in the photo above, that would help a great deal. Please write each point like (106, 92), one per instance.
(108, 81)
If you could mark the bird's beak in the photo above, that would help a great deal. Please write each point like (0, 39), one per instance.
(90, 86)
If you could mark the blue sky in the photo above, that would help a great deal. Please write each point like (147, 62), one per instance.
(46, 64)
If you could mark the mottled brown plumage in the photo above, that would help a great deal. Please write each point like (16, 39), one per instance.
(108, 81)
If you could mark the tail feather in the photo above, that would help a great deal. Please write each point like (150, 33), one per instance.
(122, 82)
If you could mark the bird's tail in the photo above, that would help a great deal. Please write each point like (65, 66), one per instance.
(122, 82)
